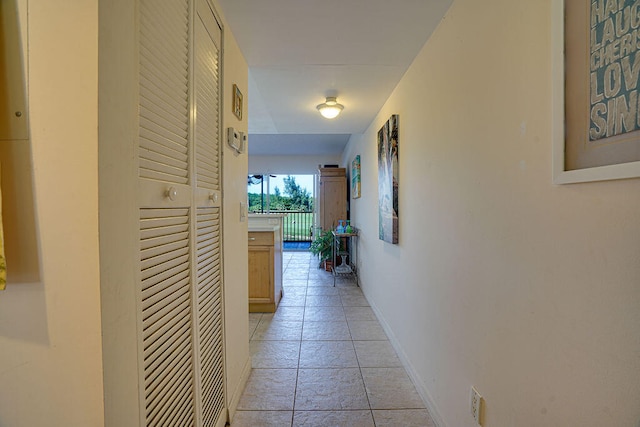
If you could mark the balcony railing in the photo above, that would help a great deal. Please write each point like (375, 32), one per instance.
(297, 225)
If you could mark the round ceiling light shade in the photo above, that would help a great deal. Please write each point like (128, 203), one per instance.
(330, 108)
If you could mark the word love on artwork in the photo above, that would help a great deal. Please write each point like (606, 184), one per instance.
(614, 68)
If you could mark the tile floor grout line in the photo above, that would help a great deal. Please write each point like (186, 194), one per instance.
(295, 389)
(360, 369)
(348, 304)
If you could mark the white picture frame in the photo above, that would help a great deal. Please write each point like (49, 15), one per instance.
(560, 174)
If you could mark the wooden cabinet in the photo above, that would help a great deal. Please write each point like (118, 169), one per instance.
(333, 197)
(265, 270)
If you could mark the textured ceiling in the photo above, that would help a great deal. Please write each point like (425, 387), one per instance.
(300, 51)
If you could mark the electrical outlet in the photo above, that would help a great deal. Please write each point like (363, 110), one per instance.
(475, 404)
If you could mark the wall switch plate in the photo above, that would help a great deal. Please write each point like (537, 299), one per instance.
(243, 211)
(475, 405)
(243, 142)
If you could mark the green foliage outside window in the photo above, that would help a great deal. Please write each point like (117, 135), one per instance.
(292, 198)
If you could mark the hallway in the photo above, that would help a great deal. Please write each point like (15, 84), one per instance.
(324, 360)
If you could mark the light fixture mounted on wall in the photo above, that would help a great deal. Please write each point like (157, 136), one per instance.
(330, 108)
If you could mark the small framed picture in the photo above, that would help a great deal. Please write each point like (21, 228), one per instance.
(237, 102)
(355, 177)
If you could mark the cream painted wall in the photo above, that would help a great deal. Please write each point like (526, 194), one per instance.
(50, 346)
(236, 285)
(502, 280)
(50, 331)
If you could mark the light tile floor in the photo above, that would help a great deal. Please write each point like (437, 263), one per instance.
(324, 360)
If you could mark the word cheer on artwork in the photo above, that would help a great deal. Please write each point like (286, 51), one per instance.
(602, 82)
(615, 68)
(388, 180)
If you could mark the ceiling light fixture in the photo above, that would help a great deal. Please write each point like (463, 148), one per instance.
(330, 108)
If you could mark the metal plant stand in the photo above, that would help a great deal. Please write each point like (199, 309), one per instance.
(348, 265)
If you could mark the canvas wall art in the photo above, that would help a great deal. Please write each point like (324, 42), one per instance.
(599, 136)
(355, 177)
(388, 180)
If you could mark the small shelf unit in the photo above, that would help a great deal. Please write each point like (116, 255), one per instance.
(348, 265)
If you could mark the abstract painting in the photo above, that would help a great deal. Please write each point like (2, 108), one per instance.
(355, 177)
(388, 180)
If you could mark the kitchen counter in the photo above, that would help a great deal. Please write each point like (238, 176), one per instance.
(265, 267)
(263, 227)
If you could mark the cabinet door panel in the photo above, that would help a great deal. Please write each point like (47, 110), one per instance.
(260, 238)
(260, 274)
(333, 201)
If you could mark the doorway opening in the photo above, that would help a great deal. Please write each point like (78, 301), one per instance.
(292, 195)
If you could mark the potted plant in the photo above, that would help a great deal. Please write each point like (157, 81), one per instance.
(321, 246)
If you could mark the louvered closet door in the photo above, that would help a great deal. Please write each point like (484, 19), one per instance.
(166, 317)
(207, 36)
(165, 197)
(164, 93)
(179, 193)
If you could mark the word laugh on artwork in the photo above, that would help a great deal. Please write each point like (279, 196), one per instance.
(615, 68)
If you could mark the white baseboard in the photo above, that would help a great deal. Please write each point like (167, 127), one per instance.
(421, 387)
(235, 398)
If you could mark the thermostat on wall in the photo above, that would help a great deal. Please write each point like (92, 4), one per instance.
(236, 140)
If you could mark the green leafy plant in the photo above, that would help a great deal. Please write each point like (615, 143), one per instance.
(321, 246)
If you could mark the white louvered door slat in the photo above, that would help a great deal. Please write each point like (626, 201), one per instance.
(179, 163)
(207, 96)
(159, 132)
(171, 125)
(158, 97)
(166, 316)
(163, 150)
(171, 47)
(164, 90)
(209, 297)
(165, 228)
(207, 254)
